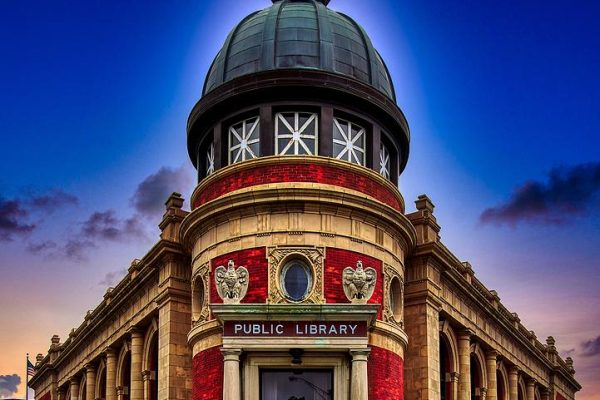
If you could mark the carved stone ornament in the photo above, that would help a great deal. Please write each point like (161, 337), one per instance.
(278, 256)
(390, 314)
(200, 310)
(232, 283)
(359, 283)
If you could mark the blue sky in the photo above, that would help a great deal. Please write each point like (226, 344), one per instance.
(94, 98)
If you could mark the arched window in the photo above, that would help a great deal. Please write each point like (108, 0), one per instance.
(296, 133)
(349, 141)
(244, 140)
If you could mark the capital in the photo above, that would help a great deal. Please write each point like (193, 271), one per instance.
(135, 332)
(90, 367)
(491, 355)
(231, 354)
(360, 354)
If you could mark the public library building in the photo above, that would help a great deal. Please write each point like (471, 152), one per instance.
(298, 274)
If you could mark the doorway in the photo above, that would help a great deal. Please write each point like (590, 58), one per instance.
(296, 384)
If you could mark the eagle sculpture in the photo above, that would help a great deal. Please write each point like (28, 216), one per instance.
(232, 283)
(359, 283)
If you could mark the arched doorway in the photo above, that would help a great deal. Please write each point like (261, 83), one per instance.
(445, 383)
(101, 381)
(478, 372)
(448, 362)
(124, 373)
(502, 382)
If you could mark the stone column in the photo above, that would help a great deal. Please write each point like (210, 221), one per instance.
(90, 382)
(74, 388)
(492, 386)
(359, 382)
(454, 379)
(231, 374)
(531, 389)
(513, 383)
(464, 364)
(111, 373)
(136, 391)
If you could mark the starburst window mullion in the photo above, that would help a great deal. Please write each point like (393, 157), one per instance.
(210, 159)
(244, 140)
(296, 133)
(384, 161)
(349, 141)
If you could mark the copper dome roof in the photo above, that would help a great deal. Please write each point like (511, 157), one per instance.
(299, 34)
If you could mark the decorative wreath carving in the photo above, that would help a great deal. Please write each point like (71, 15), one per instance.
(359, 283)
(200, 312)
(389, 314)
(232, 283)
(278, 256)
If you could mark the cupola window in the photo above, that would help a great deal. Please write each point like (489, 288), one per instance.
(244, 140)
(349, 141)
(296, 133)
(210, 159)
(385, 163)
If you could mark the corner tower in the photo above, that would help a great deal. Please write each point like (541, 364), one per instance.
(297, 231)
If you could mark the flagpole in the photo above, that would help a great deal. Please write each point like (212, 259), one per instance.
(27, 378)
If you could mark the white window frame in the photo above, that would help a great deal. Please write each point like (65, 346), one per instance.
(295, 134)
(210, 159)
(349, 153)
(242, 150)
(385, 161)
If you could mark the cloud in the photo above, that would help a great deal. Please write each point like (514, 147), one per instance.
(568, 191)
(111, 278)
(105, 225)
(13, 220)
(52, 200)
(100, 226)
(41, 247)
(591, 347)
(8, 385)
(15, 214)
(150, 195)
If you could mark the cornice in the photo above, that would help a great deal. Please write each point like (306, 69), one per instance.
(451, 269)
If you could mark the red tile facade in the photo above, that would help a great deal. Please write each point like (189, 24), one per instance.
(386, 375)
(207, 375)
(335, 262)
(299, 173)
(255, 261)
(46, 396)
(560, 397)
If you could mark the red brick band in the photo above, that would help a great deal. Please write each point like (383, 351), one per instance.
(207, 381)
(386, 375)
(277, 173)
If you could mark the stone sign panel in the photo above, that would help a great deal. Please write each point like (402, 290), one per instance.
(295, 328)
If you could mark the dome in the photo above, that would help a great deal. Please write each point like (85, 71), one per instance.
(299, 34)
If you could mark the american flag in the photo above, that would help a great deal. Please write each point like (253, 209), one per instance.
(30, 368)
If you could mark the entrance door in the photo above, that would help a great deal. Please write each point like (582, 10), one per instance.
(303, 384)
